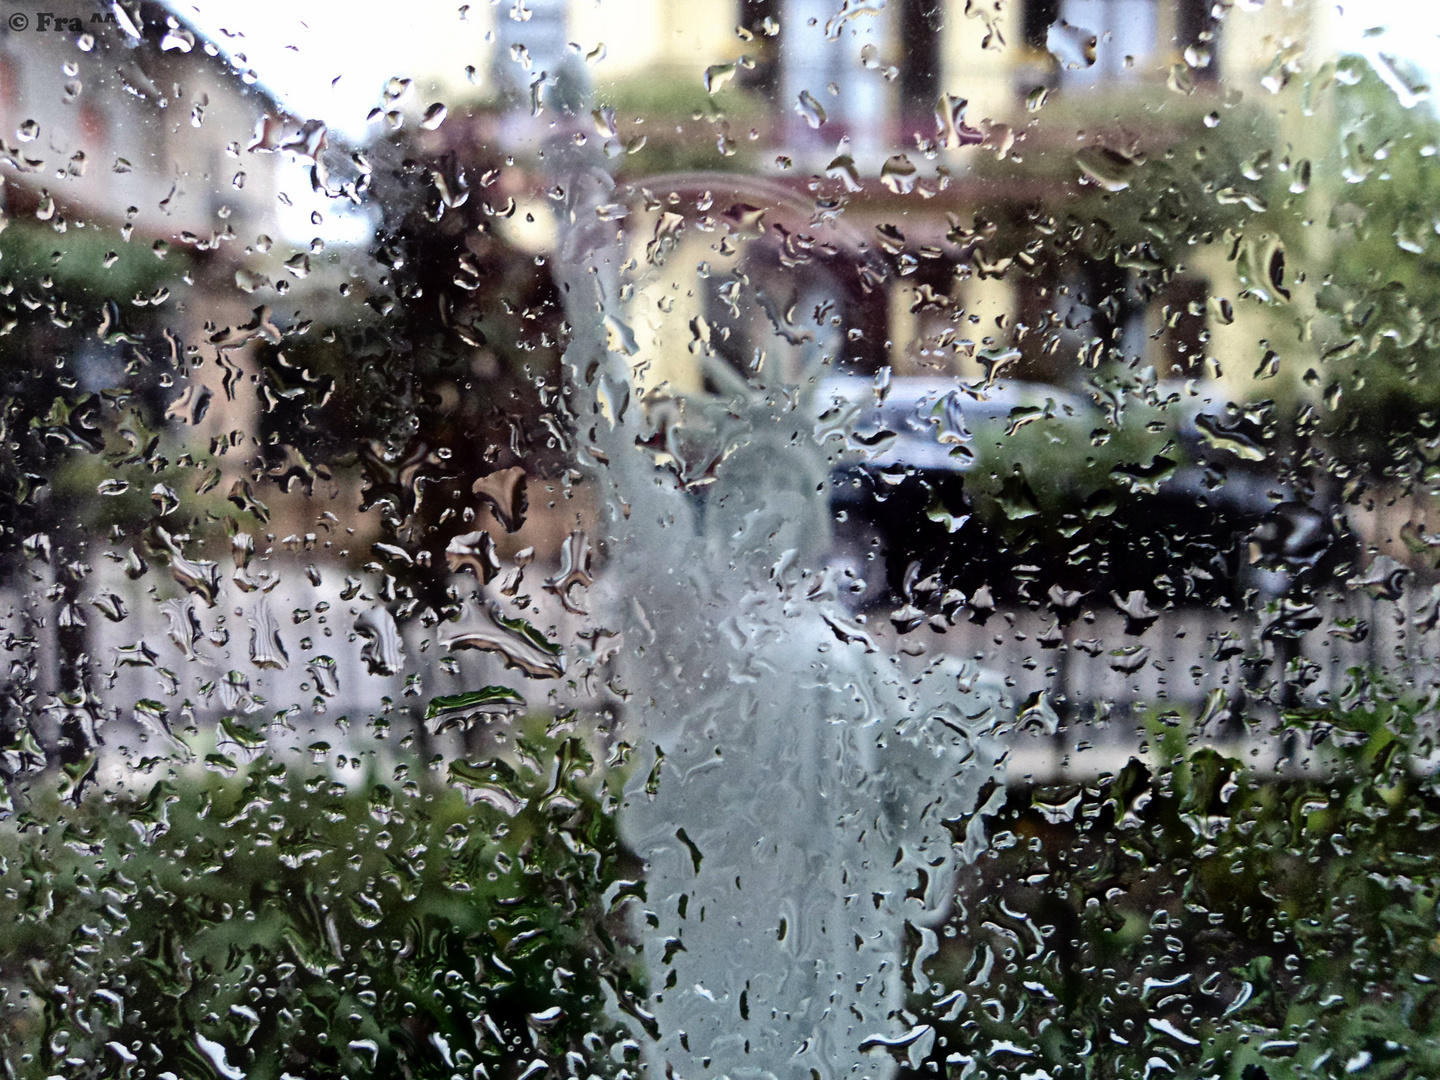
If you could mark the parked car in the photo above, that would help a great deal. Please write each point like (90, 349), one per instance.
(1021, 486)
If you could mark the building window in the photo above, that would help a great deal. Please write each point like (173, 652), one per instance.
(921, 24)
(1195, 31)
(1035, 21)
(762, 19)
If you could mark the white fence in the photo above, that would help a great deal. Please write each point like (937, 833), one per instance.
(303, 664)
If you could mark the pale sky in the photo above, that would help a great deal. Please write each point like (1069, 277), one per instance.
(1405, 28)
(332, 60)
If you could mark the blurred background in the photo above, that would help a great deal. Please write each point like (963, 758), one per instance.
(1079, 352)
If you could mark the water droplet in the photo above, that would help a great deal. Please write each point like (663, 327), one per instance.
(383, 651)
(463, 711)
(518, 643)
(810, 109)
(1110, 169)
(716, 76)
(898, 173)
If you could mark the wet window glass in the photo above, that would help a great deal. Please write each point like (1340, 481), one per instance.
(794, 539)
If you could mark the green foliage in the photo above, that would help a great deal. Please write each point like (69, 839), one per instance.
(1382, 290)
(90, 264)
(284, 920)
(666, 101)
(1193, 917)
